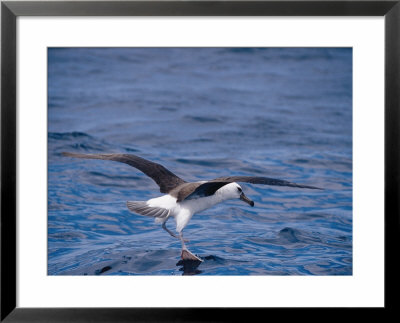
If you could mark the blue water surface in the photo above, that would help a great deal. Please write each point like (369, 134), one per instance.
(203, 113)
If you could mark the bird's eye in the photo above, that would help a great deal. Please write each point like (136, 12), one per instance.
(239, 189)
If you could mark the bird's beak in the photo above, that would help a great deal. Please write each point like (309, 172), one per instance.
(246, 199)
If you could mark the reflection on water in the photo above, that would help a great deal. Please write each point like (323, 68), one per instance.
(114, 266)
(189, 267)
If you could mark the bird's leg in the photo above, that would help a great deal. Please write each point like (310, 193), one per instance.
(186, 254)
(164, 226)
(182, 240)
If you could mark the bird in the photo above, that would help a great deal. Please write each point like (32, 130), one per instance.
(182, 199)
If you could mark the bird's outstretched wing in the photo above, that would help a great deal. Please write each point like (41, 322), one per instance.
(162, 176)
(262, 180)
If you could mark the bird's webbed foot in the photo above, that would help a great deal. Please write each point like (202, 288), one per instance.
(187, 255)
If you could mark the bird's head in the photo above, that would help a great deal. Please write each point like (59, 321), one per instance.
(234, 191)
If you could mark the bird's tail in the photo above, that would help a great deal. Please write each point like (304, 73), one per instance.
(142, 208)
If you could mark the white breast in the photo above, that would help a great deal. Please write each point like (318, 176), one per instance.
(200, 204)
(186, 209)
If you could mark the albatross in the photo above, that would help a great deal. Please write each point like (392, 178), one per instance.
(181, 199)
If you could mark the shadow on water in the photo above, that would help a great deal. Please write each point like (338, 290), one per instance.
(142, 262)
(189, 267)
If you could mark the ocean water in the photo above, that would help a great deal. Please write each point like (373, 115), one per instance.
(203, 113)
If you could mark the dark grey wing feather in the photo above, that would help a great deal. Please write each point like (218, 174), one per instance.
(142, 208)
(162, 176)
(263, 180)
(197, 190)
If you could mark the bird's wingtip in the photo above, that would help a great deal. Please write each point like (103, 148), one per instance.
(317, 188)
(313, 187)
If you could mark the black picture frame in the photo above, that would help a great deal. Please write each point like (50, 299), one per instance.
(10, 10)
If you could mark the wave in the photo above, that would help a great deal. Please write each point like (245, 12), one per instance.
(202, 119)
(208, 162)
(68, 135)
